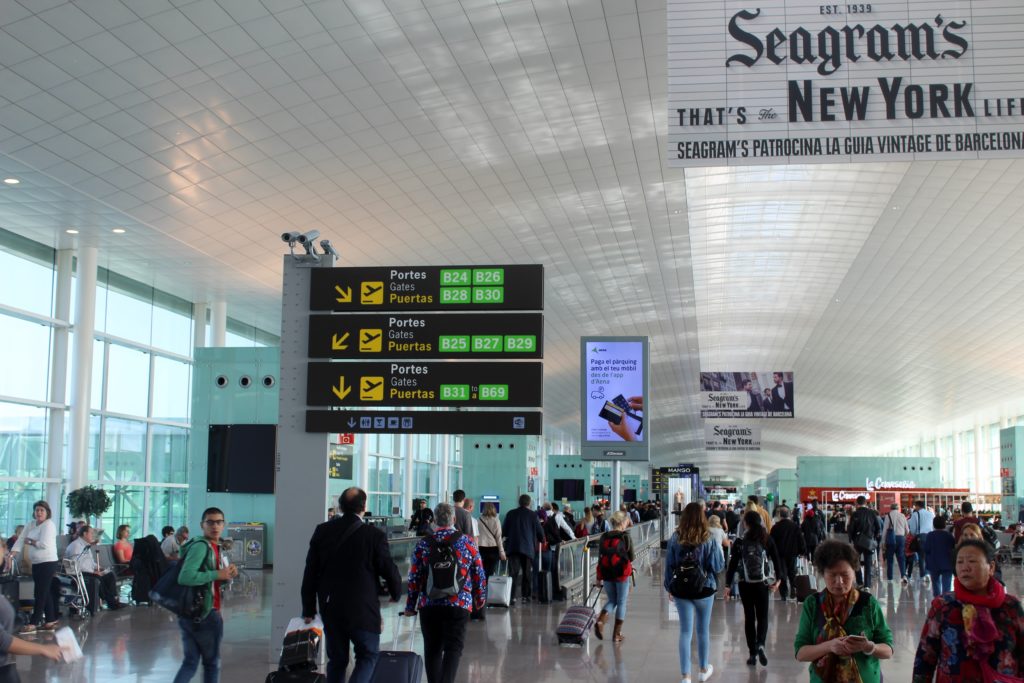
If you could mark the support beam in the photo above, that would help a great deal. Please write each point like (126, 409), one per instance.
(59, 381)
(219, 323)
(199, 325)
(81, 367)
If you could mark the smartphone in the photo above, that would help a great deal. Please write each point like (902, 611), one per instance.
(612, 413)
(858, 639)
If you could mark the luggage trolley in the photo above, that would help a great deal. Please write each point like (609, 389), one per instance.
(73, 591)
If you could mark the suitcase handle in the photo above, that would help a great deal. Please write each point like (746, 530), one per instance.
(412, 630)
(593, 589)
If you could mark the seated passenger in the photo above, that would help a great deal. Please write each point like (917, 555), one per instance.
(122, 548)
(172, 541)
(100, 583)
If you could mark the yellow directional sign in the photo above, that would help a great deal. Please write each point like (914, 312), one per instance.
(371, 389)
(370, 340)
(344, 295)
(371, 292)
(338, 343)
(341, 391)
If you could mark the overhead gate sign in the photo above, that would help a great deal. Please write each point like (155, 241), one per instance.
(791, 81)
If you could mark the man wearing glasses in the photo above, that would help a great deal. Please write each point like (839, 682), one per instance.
(201, 560)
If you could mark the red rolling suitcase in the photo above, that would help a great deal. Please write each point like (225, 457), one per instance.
(574, 628)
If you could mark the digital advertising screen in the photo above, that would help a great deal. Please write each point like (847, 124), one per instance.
(614, 399)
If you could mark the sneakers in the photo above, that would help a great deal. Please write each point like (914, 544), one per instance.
(904, 581)
(705, 675)
(762, 657)
(752, 660)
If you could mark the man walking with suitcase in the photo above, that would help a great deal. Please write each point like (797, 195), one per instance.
(523, 533)
(346, 558)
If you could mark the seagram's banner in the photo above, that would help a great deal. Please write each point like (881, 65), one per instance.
(791, 81)
(746, 394)
(732, 437)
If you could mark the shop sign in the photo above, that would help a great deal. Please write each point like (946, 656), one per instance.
(878, 484)
(848, 496)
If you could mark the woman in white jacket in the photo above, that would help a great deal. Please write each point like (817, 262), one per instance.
(40, 536)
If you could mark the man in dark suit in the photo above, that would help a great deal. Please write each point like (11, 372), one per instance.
(345, 560)
(753, 400)
(523, 533)
(782, 393)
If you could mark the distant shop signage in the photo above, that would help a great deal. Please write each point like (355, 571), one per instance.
(881, 484)
(787, 81)
(732, 437)
(746, 394)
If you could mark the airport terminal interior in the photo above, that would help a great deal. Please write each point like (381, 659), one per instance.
(256, 252)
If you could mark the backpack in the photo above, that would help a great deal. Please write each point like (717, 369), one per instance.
(688, 578)
(613, 558)
(990, 536)
(444, 578)
(754, 564)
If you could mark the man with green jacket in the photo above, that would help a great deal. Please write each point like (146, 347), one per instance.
(202, 565)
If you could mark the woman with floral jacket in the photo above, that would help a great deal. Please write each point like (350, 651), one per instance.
(974, 632)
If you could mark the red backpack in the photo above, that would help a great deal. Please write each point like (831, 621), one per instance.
(613, 560)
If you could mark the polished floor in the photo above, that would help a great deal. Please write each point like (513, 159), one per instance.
(141, 644)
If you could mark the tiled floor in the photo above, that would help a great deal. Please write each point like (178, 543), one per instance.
(141, 644)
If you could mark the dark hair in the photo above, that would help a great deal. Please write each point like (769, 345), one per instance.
(755, 528)
(352, 499)
(939, 522)
(752, 499)
(459, 495)
(125, 527)
(966, 507)
(525, 501)
(919, 504)
(43, 504)
(211, 511)
(988, 550)
(861, 500)
(831, 553)
(167, 531)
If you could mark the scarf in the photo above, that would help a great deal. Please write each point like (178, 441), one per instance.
(979, 626)
(833, 668)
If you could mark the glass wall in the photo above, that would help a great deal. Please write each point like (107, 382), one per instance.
(140, 393)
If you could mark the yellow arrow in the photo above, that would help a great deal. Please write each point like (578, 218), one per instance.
(341, 391)
(339, 344)
(344, 295)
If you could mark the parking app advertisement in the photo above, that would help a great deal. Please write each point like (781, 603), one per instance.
(747, 394)
(614, 382)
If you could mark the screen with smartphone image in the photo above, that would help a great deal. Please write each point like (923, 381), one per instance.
(614, 380)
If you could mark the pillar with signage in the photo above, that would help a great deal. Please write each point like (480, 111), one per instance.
(614, 401)
(1011, 466)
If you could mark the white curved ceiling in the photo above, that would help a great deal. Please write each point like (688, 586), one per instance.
(479, 131)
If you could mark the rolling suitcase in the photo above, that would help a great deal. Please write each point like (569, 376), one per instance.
(397, 666)
(499, 588)
(543, 594)
(574, 628)
(295, 677)
(300, 654)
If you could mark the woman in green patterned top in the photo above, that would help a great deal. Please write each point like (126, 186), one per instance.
(842, 631)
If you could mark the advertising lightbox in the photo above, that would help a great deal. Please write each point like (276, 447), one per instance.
(614, 398)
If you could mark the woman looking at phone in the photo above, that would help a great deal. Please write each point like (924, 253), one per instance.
(842, 631)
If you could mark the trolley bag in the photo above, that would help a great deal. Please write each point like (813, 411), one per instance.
(300, 650)
(397, 666)
(295, 677)
(544, 589)
(574, 628)
(499, 587)
(803, 586)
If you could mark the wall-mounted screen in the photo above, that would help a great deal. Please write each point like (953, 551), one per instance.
(570, 489)
(240, 458)
(628, 495)
(614, 398)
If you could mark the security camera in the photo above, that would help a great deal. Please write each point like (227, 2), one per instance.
(307, 238)
(291, 238)
(329, 248)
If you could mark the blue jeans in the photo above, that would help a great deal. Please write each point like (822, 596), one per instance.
(618, 596)
(687, 609)
(897, 549)
(943, 578)
(201, 640)
(367, 646)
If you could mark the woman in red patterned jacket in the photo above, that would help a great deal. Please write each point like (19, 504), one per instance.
(975, 631)
(446, 584)
(614, 569)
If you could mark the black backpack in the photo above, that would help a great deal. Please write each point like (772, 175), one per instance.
(688, 578)
(990, 536)
(754, 564)
(444, 578)
(613, 558)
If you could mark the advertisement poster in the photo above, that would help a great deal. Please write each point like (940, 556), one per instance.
(614, 387)
(746, 394)
(732, 437)
(788, 81)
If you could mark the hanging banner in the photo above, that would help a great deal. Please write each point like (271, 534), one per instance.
(787, 81)
(746, 394)
(732, 437)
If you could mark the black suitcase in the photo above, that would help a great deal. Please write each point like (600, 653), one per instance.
(295, 677)
(543, 594)
(398, 666)
(802, 587)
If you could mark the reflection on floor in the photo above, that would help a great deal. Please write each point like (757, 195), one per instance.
(141, 644)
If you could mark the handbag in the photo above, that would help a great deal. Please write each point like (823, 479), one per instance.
(185, 601)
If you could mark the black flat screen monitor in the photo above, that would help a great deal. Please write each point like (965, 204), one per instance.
(570, 489)
(628, 495)
(597, 490)
(241, 458)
